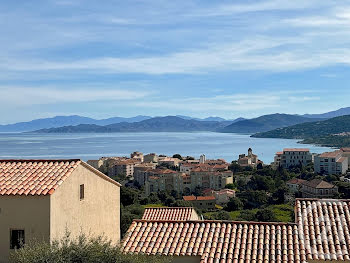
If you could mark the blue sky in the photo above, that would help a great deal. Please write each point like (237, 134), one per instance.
(159, 57)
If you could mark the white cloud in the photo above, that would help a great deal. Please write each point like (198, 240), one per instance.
(263, 54)
(271, 5)
(23, 96)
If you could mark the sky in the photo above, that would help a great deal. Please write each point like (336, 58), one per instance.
(200, 58)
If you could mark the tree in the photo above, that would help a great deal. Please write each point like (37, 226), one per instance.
(230, 186)
(265, 215)
(253, 199)
(182, 203)
(82, 249)
(234, 204)
(247, 215)
(178, 156)
(259, 166)
(278, 197)
(222, 215)
(128, 196)
(169, 201)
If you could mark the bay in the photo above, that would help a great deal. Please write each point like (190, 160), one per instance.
(87, 146)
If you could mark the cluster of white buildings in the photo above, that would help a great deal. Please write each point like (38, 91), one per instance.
(336, 162)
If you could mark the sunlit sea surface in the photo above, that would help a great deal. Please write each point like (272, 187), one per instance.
(95, 145)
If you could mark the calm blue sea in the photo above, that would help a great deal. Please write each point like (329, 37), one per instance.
(95, 145)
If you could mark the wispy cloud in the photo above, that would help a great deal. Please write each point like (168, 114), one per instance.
(14, 95)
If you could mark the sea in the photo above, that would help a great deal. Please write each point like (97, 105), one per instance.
(88, 146)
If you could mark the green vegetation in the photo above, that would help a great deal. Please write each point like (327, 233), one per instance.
(323, 133)
(274, 213)
(82, 249)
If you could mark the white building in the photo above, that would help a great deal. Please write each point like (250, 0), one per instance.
(296, 157)
(331, 163)
(202, 158)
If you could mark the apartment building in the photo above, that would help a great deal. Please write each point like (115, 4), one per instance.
(331, 163)
(163, 180)
(122, 167)
(174, 162)
(150, 158)
(208, 179)
(137, 156)
(296, 157)
(188, 167)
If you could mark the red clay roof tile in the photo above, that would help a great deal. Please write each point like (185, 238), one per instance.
(34, 177)
(170, 213)
(217, 241)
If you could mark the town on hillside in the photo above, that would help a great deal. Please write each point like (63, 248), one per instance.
(182, 208)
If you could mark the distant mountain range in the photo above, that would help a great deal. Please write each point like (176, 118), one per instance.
(334, 132)
(265, 123)
(157, 124)
(331, 114)
(239, 125)
(60, 121)
(73, 120)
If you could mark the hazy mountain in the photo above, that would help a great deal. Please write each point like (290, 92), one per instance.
(265, 123)
(331, 114)
(158, 124)
(60, 121)
(311, 129)
(212, 118)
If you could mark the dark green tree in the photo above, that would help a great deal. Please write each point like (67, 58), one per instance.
(234, 204)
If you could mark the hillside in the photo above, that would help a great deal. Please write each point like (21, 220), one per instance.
(265, 123)
(332, 132)
(60, 121)
(158, 124)
(331, 114)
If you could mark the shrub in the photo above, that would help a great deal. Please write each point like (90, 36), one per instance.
(80, 250)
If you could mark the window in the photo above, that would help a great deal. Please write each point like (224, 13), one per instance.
(82, 192)
(16, 238)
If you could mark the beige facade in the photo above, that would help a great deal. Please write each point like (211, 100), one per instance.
(49, 217)
(296, 157)
(97, 214)
(28, 213)
(331, 163)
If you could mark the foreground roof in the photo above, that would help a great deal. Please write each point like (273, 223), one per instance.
(217, 241)
(324, 225)
(34, 177)
(38, 177)
(170, 213)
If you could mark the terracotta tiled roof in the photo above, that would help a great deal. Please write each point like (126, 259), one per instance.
(34, 177)
(199, 198)
(169, 213)
(296, 150)
(318, 183)
(330, 154)
(217, 241)
(345, 149)
(295, 181)
(39, 177)
(189, 198)
(342, 159)
(324, 227)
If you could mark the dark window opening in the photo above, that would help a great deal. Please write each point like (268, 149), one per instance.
(16, 238)
(82, 192)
